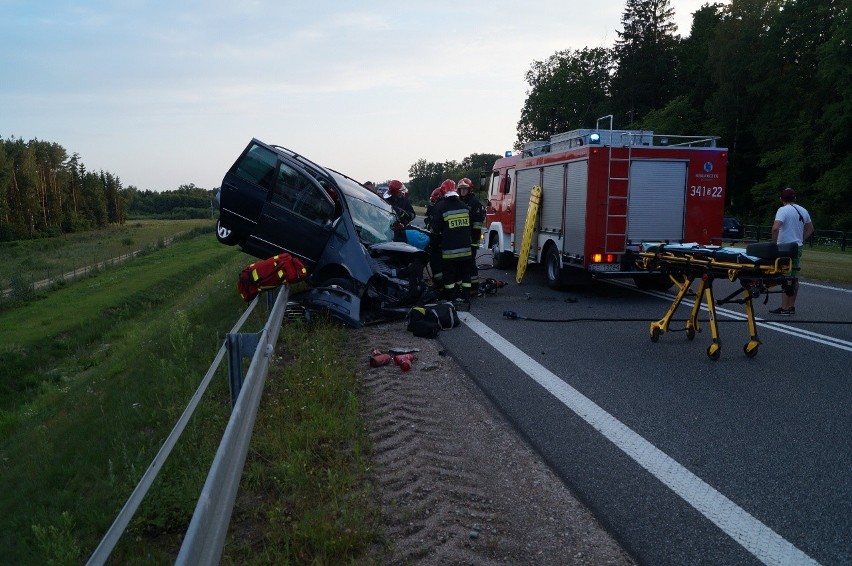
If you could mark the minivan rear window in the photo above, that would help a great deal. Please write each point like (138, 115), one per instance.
(258, 166)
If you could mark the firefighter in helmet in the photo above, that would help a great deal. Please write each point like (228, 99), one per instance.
(434, 249)
(451, 228)
(399, 201)
(477, 217)
(433, 198)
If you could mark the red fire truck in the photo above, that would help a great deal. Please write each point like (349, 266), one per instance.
(604, 192)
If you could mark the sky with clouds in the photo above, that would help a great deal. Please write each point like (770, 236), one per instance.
(165, 93)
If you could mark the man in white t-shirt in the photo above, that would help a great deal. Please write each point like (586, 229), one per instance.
(792, 224)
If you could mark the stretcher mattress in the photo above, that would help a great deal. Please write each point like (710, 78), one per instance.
(766, 257)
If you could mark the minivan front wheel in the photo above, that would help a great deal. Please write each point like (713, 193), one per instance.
(225, 235)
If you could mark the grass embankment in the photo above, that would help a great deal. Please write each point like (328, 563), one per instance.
(27, 261)
(94, 374)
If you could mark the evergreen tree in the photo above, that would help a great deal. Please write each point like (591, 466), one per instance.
(832, 135)
(744, 67)
(6, 232)
(645, 58)
(71, 213)
(695, 79)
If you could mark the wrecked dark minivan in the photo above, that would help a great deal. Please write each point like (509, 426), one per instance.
(274, 200)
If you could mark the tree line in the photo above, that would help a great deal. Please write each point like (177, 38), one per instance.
(188, 201)
(44, 192)
(426, 176)
(772, 78)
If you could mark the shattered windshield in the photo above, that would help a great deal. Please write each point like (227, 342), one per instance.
(371, 215)
(372, 223)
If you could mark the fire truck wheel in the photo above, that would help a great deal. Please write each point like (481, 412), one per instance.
(499, 260)
(553, 268)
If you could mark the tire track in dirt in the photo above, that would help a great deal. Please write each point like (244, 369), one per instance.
(456, 484)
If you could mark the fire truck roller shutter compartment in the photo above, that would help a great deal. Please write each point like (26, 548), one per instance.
(656, 201)
(552, 184)
(577, 182)
(526, 180)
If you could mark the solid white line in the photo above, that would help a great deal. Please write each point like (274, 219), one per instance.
(824, 287)
(768, 546)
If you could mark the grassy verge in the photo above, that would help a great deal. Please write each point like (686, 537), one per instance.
(305, 496)
(824, 265)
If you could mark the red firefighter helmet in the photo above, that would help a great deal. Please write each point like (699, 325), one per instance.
(436, 195)
(395, 187)
(464, 183)
(448, 186)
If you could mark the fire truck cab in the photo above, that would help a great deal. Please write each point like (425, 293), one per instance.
(604, 193)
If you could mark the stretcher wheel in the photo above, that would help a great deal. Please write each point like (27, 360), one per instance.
(714, 351)
(750, 349)
(655, 334)
(690, 333)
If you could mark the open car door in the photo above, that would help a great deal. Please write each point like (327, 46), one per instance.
(299, 215)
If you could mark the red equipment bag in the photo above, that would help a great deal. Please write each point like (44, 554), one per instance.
(270, 273)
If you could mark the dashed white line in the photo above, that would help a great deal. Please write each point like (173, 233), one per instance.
(768, 546)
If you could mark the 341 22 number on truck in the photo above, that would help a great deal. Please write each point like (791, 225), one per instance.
(604, 192)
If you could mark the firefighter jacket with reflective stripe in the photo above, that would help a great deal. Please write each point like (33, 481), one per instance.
(477, 217)
(451, 225)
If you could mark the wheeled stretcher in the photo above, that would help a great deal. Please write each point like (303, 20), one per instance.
(758, 268)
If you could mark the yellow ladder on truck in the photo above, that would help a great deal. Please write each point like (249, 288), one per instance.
(529, 228)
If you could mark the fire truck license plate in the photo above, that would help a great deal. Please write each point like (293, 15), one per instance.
(604, 267)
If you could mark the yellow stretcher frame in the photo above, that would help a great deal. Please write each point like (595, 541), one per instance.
(529, 228)
(685, 266)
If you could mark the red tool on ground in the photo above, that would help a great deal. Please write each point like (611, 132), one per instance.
(404, 361)
(377, 359)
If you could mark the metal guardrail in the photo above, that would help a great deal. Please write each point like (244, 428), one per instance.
(205, 537)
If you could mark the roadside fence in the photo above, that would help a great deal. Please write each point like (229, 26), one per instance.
(205, 536)
(826, 238)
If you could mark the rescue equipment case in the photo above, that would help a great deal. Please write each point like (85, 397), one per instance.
(269, 273)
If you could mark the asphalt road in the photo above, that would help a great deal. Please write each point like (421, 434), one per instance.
(685, 459)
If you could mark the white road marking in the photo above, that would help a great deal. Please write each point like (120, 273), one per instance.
(768, 546)
(825, 287)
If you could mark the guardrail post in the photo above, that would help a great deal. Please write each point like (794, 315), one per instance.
(240, 345)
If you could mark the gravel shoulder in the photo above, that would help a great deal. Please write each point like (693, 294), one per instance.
(457, 484)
